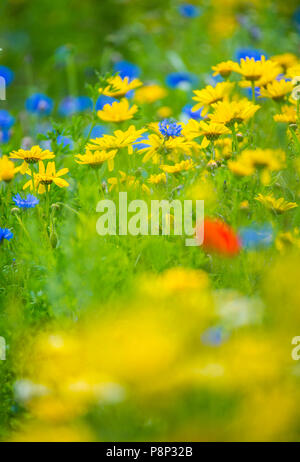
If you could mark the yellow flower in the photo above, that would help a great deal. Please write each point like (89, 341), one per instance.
(229, 113)
(263, 160)
(284, 241)
(224, 69)
(7, 169)
(293, 71)
(46, 177)
(164, 112)
(120, 139)
(179, 167)
(239, 168)
(118, 87)
(149, 94)
(276, 90)
(210, 95)
(158, 178)
(288, 115)
(212, 130)
(97, 158)
(118, 111)
(285, 60)
(31, 156)
(277, 205)
(129, 181)
(159, 146)
(253, 70)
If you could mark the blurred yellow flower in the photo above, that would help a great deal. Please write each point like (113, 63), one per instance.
(276, 90)
(224, 69)
(120, 139)
(7, 169)
(210, 95)
(149, 94)
(179, 167)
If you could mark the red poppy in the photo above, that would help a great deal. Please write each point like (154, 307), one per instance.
(220, 238)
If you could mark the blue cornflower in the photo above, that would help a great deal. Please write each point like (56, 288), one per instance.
(71, 104)
(103, 100)
(65, 141)
(187, 111)
(6, 122)
(96, 132)
(169, 129)
(7, 74)
(39, 104)
(243, 53)
(5, 234)
(188, 10)
(28, 202)
(127, 69)
(258, 236)
(181, 80)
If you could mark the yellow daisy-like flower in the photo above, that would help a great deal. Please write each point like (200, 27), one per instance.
(278, 205)
(210, 95)
(224, 69)
(263, 160)
(118, 87)
(7, 169)
(31, 156)
(179, 167)
(118, 111)
(129, 182)
(276, 90)
(251, 69)
(229, 113)
(288, 115)
(97, 158)
(158, 178)
(46, 177)
(159, 146)
(285, 60)
(149, 94)
(120, 139)
(212, 130)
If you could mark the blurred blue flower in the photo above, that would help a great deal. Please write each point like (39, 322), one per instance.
(127, 69)
(61, 54)
(181, 80)
(170, 129)
(243, 53)
(7, 74)
(40, 104)
(187, 110)
(71, 104)
(214, 336)
(97, 132)
(6, 122)
(103, 100)
(64, 141)
(5, 234)
(257, 236)
(28, 202)
(188, 10)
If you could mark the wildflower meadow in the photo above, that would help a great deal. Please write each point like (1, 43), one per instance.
(149, 221)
